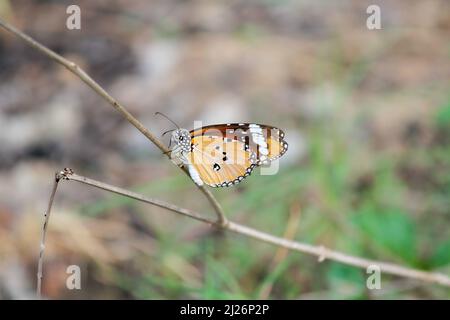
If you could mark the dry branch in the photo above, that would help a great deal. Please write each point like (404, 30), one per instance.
(321, 252)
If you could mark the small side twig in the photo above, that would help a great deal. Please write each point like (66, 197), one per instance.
(58, 176)
(139, 197)
(282, 252)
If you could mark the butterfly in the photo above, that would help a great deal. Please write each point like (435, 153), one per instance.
(222, 155)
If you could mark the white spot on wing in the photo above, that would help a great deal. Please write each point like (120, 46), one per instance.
(263, 151)
(195, 175)
(254, 128)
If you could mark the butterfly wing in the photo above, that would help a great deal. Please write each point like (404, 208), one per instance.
(266, 141)
(220, 163)
(224, 155)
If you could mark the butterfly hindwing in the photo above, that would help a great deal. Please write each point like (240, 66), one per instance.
(221, 163)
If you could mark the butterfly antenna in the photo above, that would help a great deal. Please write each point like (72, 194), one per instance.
(171, 130)
(162, 114)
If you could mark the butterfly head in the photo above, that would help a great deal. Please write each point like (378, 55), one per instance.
(182, 138)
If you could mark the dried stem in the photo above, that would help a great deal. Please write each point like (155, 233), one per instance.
(282, 252)
(137, 196)
(321, 252)
(44, 234)
(75, 69)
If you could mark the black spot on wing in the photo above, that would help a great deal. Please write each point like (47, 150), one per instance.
(247, 173)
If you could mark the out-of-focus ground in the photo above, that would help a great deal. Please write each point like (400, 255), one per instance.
(366, 114)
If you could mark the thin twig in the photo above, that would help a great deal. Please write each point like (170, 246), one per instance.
(321, 252)
(291, 229)
(282, 252)
(324, 253)
(75, 69)
(44, 234)
(137, 196)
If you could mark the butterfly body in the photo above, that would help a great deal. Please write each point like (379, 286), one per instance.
(225, 154)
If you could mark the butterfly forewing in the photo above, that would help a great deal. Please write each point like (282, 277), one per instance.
(267, 141)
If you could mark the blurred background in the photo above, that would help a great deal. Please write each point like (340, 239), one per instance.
(366, 115)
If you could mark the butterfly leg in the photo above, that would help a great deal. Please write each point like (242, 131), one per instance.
(176, 156)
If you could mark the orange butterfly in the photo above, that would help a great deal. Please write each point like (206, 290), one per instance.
(223, 155)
